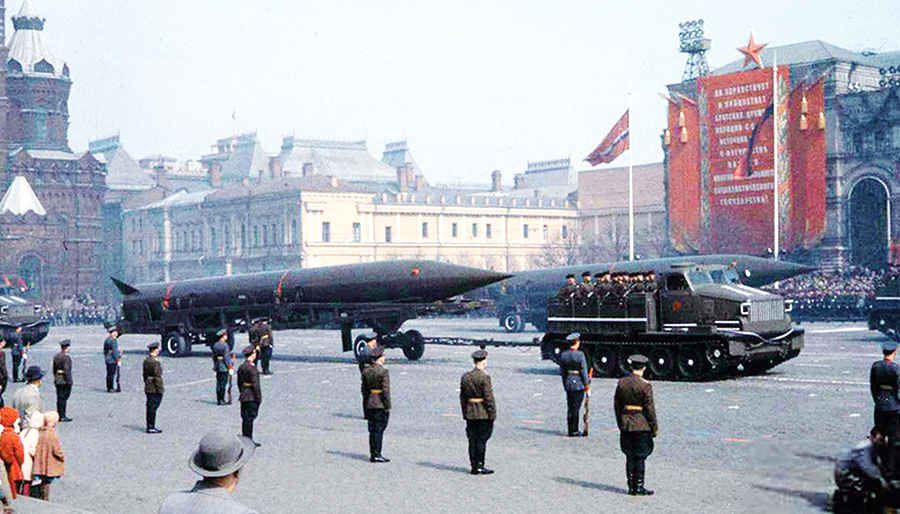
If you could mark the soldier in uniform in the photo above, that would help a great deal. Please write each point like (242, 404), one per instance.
(153, 386)
(250, 391)
(883, 384)
(636, 417)
(376, 394)
(62, 378)
(585, 288)
(266, 345)
(567, 292)
(364, 355)
(112, 357)
(18, 352)
(476, 397)
(576, 381)
(218, 460)
(222, 365)
(4, 372)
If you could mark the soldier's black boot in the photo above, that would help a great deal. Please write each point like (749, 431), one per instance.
(639, 489)
(631, 489)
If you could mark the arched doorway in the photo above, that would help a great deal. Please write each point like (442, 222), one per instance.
(868, 223)
(30, 269)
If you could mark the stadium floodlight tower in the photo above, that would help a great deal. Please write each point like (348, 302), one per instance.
(695, 45)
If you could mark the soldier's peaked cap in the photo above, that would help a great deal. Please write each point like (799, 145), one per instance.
(638, 361)
(370, 335)
(152, 346)
(248, 350)
(586, 274)
(570, 275)
(479, 355)
(889, 346)
(112, 328)
(574, 336)
(221, 332)
(65, 343)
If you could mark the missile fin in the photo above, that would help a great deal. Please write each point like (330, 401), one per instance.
(124, 288)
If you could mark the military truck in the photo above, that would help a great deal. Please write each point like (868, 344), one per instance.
(16, 311)
(884, 310)
(693, 321)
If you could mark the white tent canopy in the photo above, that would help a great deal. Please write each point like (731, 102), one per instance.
(20, 198)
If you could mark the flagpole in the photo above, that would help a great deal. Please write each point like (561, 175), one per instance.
(630, 183)
(775, 147)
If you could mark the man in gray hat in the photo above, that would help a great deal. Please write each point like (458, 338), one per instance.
(62, 378)
(218, 460)
(28, 398)
(576, 381)
(636, 417)
(153, 386)
(476, 396)
(222, 365)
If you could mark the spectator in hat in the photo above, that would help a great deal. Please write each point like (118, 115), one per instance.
(49, 459)
(222, 365)
(112, 357)
(636, 417)
(62, 378)
(250, 391)
(29, 438)
(4, 372)
(11, 450)
(153, 385)
(476, 397)
(576, 381)
(376, 394)
(219, 460)
(363, 356)
(28, 398)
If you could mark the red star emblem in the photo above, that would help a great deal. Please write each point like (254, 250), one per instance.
(676, 305)
(751, 51)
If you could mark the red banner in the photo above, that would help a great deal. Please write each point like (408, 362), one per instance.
(613, 144)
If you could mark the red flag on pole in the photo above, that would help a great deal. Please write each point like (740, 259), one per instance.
(613, 144)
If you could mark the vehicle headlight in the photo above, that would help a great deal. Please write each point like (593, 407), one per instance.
(745, 309)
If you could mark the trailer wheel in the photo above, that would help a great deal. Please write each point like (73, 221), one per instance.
(358, 346)
(174, 345)
(716, 355)
(605, 361)
(624, 365)
(692, 362)
(662, 362)
(512, 322)
(415, 345)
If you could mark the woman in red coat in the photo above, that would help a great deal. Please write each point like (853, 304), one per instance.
(11, 450)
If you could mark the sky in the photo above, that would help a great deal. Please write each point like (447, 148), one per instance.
(472, 86)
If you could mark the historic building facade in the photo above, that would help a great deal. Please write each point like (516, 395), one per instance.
(59, 253)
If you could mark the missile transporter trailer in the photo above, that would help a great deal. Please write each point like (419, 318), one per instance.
(694, 323)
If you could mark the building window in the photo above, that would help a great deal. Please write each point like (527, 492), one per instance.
(255, 235)
(525, 231)
(474, 229)
(357, 232)
(294, 235)
(565, 232)
(453, 229)
(265, 236)
(487, 230)
(425, 229)
(212, 240)
(227, 242)
(326, 231)
(387, 234)
(275, 240)
(243, 237)
(546, 232)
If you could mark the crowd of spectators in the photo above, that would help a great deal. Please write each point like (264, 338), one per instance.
(80, 315)
(830, 295)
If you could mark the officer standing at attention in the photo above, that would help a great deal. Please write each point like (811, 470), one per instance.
(218, 460)
(568, 291)
(4, 373)
(251, 392)
(18, 352)
(476, 397)
(575, 380)
(585, 288)
(62, 378)
(376, 394)
(636, 418)
(883, 384)
(112, 357)
(364, 354)
(222, 365)
(266, 345)
(153, 386)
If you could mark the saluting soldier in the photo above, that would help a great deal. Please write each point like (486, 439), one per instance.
(4, 373)
(585, 288)
(62, 378)
(153, 386)
(883, 384)
(250, 392)
(112, 357)
(376, 394)
(222, 365)
(576, 381)
(266, 345)
(476, 397)
(567, 292)
(636, 417)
